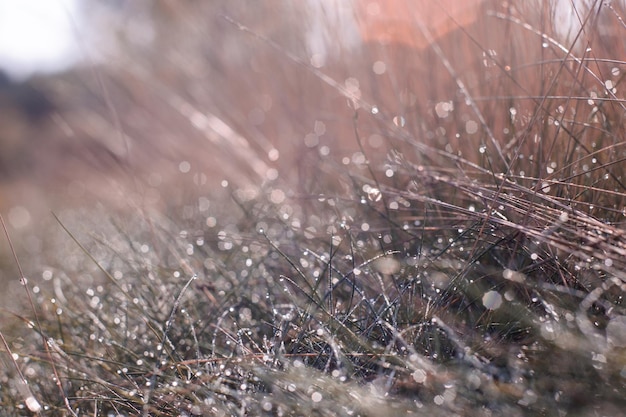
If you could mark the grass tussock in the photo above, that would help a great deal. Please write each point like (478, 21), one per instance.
(460, 251)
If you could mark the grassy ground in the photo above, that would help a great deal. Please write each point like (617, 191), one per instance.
(459, 250)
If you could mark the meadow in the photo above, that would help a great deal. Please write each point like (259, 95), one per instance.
(290, 211)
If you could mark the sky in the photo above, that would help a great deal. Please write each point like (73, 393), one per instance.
(38, 36)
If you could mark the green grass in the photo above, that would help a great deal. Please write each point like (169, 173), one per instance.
(442, 273)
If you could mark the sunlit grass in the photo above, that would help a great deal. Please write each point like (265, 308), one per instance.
(473, 267)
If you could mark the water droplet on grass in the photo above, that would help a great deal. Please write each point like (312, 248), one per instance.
(399, 121)
(184, 167)
(492, 300)
(32, 404)
(471, 127)
(419, 376)
(514, 276)
(19, 217)
(273, 154)
(374, 194)
(277, 196)
(379, 67)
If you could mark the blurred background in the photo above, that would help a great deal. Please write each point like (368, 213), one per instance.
(147, 103)
(95, 95)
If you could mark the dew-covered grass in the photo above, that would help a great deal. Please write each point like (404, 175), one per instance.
(466, 255)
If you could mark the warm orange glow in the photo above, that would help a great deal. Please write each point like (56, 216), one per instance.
(398, 21)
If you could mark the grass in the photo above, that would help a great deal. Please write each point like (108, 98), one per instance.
(464, 256)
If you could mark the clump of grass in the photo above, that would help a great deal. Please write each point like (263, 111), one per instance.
(473, 269)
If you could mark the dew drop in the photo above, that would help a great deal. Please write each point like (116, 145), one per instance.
(492, 300)
(32, 404)
(419, 376)
(184, 167)
(379, 67)
(19, 217)
(471, 127)
(399, 121)
(374, 194)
